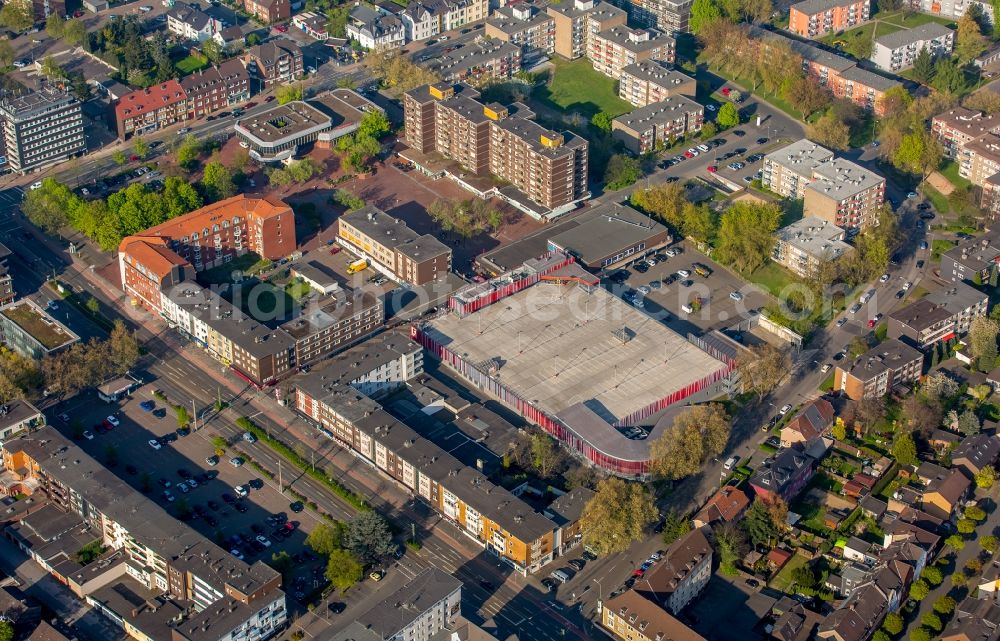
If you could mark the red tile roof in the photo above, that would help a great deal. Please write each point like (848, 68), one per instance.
(150, 99)
(151, 253)
(725, 505)
(242, 205)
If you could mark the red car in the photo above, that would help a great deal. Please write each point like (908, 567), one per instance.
(335, 249)
(281, 28)
(712, 169)
(133, 158)
(269, 99)
(289, 526)
(725, 91)
(78, 13)
(688, 154)
(249, 104)
(107, 425)
(639, 572)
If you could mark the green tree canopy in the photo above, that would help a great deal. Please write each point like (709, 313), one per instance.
(729, 115)
(616, 516)
(746, 234)
(343, 569)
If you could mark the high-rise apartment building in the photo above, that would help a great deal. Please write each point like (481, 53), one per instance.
(41, 128)
(613, 49)
(576, 22)
(523, 24)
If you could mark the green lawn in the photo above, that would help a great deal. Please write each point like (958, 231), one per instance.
(759, 92)
(248, 263)
(297, 289)
(576, 87)
(903, 21)
(783, 579)
(860, 37)
(773, 277)
(939, 247)
(950, 171)
(191, 64)
(939, 200)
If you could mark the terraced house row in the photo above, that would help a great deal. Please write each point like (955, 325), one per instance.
(339, 395)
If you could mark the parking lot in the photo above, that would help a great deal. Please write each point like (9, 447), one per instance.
(234, 506)
(737, 159)
(665, 291)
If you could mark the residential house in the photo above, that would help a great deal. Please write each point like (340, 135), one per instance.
(427, 18)
(973, 259)
(657, 124)
(975, 619)
(373, 27)
(576, 21)
(810, 423)
(939, 316)
(268, 11)
(392, 247)
(650, 81)
(614, 49)
(277, 61)
(680, 575)
(796, 624)
(312, 24)
(669, 16)
(17, 416)
(218, 87)
(816, 18)
(975, 453)
(785, 475)
(883, 367)
(149, 109)
(565, 512)
(944, 493)
(725, 506)
(524, 24)
(191, 23)
(958, 126)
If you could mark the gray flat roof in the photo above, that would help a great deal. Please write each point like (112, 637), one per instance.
(888, 354)
(815, 236)
(840, 178)
(284, 122)
(574, 355)
(957, 297)
(503, 19)
(810, 7)
(401, 606)
(810, 53)
(623, 36)
(15, 412)
(922, 33)
(869, 79)
(604, 230)
(657, 72)
(666, 110)
(802, 156)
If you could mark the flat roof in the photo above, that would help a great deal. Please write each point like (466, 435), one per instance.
(605, 230)
(657, 72)
(816, 237)
(666, 110)
(16, 412)
(887, 355)
(281, 122)
(957, 297)
(635, 40)
(503, 18)
(38, 324)
(869, 78)
(969, 122)
(840, 179)
(510, 256)
(810, 7)
(928, 31)
(802, 156)
(574, 355)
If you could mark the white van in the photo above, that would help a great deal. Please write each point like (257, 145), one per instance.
(731, 462)
(687, 309)
(241, 491)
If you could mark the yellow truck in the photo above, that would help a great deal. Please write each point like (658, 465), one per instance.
(357, 266)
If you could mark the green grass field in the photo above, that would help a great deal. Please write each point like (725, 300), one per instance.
(773, 277)
(950, 171)
(191, 64)
(939, 200)
(576, 87)
(940, 246)
(859, 38)
(783, 579)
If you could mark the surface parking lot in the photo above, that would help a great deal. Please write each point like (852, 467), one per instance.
(664, 301)
(212, 504)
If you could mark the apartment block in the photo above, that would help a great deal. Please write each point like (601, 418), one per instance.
(958, 126)
(228, 598)
(576, 22)
(630, 617)
(479, 60)
(680, 575)
(874, 373)
(973, 259)
(650, 81)
(545, 169)
(7, 293)
(657, 124)
(273, 62)
(837, 73)
(806, 244)
(41, 128)
(896, 51)
(939, 316)
(613, 49)
(507, 527)
(981, 159)
(30, 331)
(845, 194)
(789, 170)
(215, 88)
(523, 24)
(669, 16)
(393, 247)
(268, 11)
(149, 109)
(816, 18)
(951, 8)
(373, 27)
(428, 18)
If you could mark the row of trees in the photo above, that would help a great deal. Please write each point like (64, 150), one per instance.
(396, 71)
(668, 202)
(361, 147)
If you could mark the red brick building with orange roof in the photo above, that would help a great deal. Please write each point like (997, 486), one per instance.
(149, 109)
(727, 506)
(202, 239)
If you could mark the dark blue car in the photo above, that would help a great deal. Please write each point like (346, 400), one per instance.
(147, 406)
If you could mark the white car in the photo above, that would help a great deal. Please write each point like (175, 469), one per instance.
(241, 491)
(673, 251)
(703, 148)
(693, 151)
(19, 64)
(244, 144)
(826, 367)
(236, 461)
(736, 296)
(883, 278)
(711, 107)
(36, 185)
(183, 488)
(153, 443)
(683, 273)
(114, 421)
(88, 435)
(183, 130)
(145, 8)
(785, 409)
(311, 69)
(907, 285)
(263, 540)
(236, 553)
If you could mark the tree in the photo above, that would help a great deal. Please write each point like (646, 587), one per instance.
(374, 124)
(893, 623)
(325, 539)
(621, 172)
(675, 526)
(545, 454)
(181, 413)
(758, 525)
(369, 537)
(839, 429)
(932, 621)
(746, 234)
(212, 50)
(806, 95)
(987, 101)
(602, 121)
(975, 513)
(804, 577)
(948, 76)
(54, 25)
(217, 182)
(729, 545)
(904, 450)
(282, 563)
(6, 631)
(955, 542)
(968, 423)
(881, 635)
(986, 477)
(124, 347)
(921, 414)
(965, 526)
(763, 367)
(729, 116)
(919, 590)
(969, 39)
(188, 151)
(343, 569)
(397, 71)
(74, 33)
(831, 132)
(932, 575)
(616, 516)
(698, 433)
(289, 93)
(923, 67)
(920, 634)
(140, 148)
(989, 543)
(983, 341)
(699, 222)
(940, 386)
(253, 40)
(17, 15)
(119, 157)
(51, 69)
(7, 53)
(944, 605)
(47, 206)
(703, 13)
(708, 130)
(465, 218)
(917, 153)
